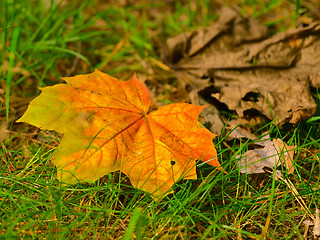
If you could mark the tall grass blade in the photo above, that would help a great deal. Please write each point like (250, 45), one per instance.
(13, 46)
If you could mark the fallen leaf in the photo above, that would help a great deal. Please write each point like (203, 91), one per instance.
(315, 221)
(210, 116)
(228, 33)
(259, 91)
(250, 73)
(238, 132)
(273, 153)
(286, 154)
(316, 229)
(107, 127)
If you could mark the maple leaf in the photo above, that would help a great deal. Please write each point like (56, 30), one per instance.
(107, 127)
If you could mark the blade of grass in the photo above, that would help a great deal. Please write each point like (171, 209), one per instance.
(132, 225)
(13, 46)
(54, 48)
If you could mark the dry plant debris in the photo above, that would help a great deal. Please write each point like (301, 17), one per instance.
(249, 71)
(273, 153)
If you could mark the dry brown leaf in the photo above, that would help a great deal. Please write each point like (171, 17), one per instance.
(282, 98)
(286, 152)
(273, 154)
(316, 229)
(315, 221)
(250, 73)
(238, 132)
(231, 30)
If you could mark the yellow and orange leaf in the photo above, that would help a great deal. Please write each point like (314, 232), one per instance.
(107, 127)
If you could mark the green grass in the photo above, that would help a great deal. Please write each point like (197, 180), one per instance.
(39, 44)
(214, 206)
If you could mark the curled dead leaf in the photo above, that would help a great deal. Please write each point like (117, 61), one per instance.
(273, 153)
(250, 73)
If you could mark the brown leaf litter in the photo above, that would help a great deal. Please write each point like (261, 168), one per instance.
(235, 63)
(274, 153)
